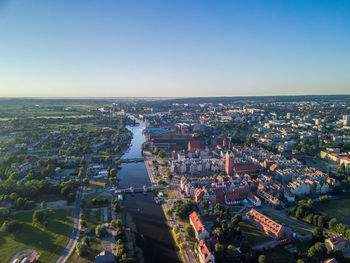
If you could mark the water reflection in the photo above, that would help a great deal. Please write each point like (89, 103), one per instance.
(153, 234)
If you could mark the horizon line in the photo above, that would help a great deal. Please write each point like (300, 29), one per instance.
(171, 97)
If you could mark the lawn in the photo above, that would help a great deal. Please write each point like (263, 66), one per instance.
(92, 219)
(94, 249)
(48, 198)
(340, 209)
(168, 193)
(97, 184)
(49, 243)
(252, 234)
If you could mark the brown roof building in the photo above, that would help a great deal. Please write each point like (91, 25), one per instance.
(266, 224)
(204, 253)
(200, 230)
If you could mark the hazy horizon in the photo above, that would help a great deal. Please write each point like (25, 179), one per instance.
(173, 48)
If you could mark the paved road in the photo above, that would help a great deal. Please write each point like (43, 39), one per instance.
(74, 236)
(149, 167)
(40, 208)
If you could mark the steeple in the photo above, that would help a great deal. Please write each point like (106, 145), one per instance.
(229, 143)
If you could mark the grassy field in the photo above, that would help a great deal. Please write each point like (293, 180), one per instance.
(94, 249)
(48, 198)
(97, 184)
(252, 234)
(49, 243)
(92, 219)
(340, 209)
(168, 193)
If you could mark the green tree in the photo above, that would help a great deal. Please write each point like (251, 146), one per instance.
(161, 154)
(116, 224)
(81, 249)
(43, 204)
(83, 223)
(176, 229)
(231, 253)
(190, 233)
(11, 226)
(117, 205)
(183, 246)
(262, 259)
(101, 231)
(317, 252)
(39, 218)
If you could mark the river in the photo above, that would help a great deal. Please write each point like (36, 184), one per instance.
(156, 243)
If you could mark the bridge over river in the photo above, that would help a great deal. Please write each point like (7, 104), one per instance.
(143, 189)
(132, 160)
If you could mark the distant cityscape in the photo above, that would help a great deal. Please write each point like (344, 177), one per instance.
(241, 179)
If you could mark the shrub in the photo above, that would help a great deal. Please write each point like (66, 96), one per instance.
(101, 231)
(81, 249)
(11, 226)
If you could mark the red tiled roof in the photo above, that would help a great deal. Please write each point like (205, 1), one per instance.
(203, 249)
(198, 225)
(265, 222)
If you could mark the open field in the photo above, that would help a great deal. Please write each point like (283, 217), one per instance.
(49, 242)
(65, 116)
(339, 209)
(97, 184)
(48, 198)
(252, 234)
(168, 193)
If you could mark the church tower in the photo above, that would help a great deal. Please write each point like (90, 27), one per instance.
(229, 163)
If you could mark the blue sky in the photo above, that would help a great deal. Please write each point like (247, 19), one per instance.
(173, 48)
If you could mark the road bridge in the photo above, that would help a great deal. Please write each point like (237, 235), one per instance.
(132, 160)
(143, 189)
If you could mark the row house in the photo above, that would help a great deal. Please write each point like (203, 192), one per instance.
(198, 166)
(204, 194)
(299, 188)
(270, 227)
(254, 200)
(269, 198)
(204, 254)
(305, 187)
(200, 230)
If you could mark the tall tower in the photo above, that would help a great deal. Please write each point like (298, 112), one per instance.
(229, 163)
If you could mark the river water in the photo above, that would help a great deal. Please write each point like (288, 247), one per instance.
(153, 235)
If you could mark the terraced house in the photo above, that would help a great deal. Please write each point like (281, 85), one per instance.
(270, 227)
(200, 230)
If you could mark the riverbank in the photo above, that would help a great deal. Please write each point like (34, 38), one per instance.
(185, 254)
(151, 230)
(150, 171)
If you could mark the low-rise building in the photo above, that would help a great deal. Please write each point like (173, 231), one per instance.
(335, 243)
(200, 230)
(205, 256)
(267, 225)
